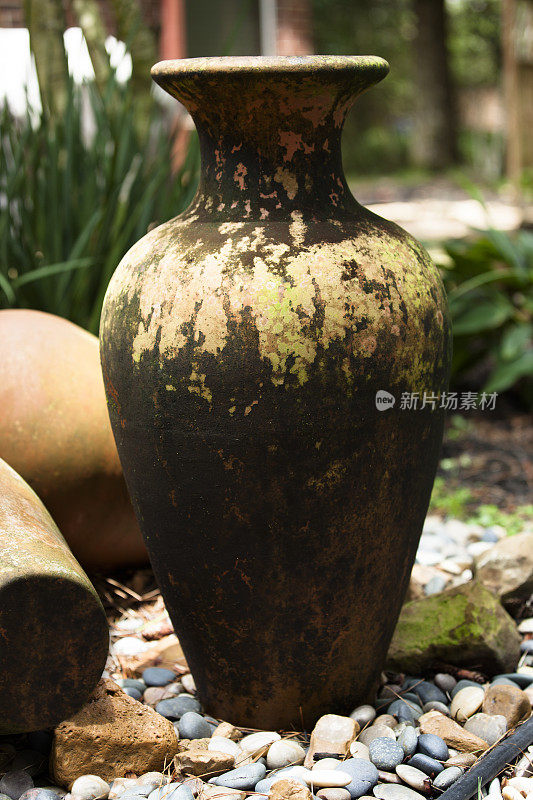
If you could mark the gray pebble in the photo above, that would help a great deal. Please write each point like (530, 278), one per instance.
(489, 727)
(193, 726)
(427, 692)
(425, 763)
(243, 778)
(462, 684)
(445, 682)
(385, 753)
(405, 710)
(434, 705)
(15, 783)
(157, 676)
(408, 740)
(131, 683)
(172, 791)
(364, 715)
(431, 745)
(175, 707)
(504, 682)
(364, 776)
(40, 794)
(522, 680)
(131, 691)
(447, 777)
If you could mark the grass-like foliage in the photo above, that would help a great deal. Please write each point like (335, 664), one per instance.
(76, 191)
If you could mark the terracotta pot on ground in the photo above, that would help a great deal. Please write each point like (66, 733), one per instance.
(55, 432)
(245, 346)
(53, 629)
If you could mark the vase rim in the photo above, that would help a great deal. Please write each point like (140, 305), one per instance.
(272, 65)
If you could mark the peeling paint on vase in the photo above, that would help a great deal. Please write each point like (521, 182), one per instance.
(243, 344)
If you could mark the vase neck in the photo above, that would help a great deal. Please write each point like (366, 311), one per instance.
(270, 131)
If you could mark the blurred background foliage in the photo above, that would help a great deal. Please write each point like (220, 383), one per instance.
(86, 175)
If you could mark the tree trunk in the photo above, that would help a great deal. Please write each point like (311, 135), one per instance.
(45, 20)
(90, 21)
(434, 143)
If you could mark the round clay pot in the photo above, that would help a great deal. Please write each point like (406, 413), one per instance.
(246, 346)
(53, 629)
(55, 432)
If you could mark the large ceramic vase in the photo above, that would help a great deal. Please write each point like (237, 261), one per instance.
(243, 345)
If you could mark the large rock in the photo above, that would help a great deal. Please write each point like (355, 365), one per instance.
(53, 630)
(111, 736)
(507, 568)
(466, 626)
(55, 432)
(332, 734)
(453, 734)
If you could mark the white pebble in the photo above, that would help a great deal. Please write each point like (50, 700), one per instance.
(511, 793)
(524, 785)
(119, 785)
(359, 750)
(326, 763)
(283, 753)
(466, 702)
(129, 646)
(90, 787)
(257, 744)
(222, 745)
(187, 681)
(327, 778)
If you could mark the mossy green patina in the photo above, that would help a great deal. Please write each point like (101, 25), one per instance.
(242, 346)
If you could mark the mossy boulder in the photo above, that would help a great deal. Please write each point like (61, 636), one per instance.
(465, 626)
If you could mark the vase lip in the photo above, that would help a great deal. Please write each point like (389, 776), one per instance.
(276, 65)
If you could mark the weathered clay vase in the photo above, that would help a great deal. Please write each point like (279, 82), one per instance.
(55, 432)
(243, 344)
(53, 629)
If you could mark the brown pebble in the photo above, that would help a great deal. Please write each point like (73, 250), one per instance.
(509, 701)
(388, 777)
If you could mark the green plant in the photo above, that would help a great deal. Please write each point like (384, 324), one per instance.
(490, 291)
(449, 502)
(75, 199)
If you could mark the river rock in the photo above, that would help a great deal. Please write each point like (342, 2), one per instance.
(408, 740)
(465, 625)
(157, 676)
(385, 753)
(363, 715)
(327, 778)
(89, 787)
(332, 734)
(426, 764)
(193, 726)
(488, 727)
(111, 736)
(507, 701)
(208, 792)
(413, 777)
(375, 732)
(359, 750)
(222, 745)
(387, 791)
(327, 763)
(506, 569)
(174, 708)
(55, 432)
(15, 783)
(463, 760)
(445, 778)
(283, 753)
(243, 778)
(467, 702)
(453, 734)
(364, 776)
(228, 731)
(286, 789)
(432, 745)
(333, 794)
(256, 744)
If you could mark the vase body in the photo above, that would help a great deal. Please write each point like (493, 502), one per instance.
(242, 347)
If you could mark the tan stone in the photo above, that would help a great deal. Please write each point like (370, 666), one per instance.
(203, 763)
(509, 701)
(111, 736)
(463, 760)
(228, 731)
(507, 568)
(209, 792)
(192, 744)
(289, 790)
(453, 734)
(331, 734)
